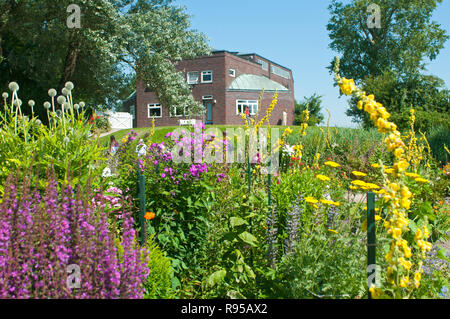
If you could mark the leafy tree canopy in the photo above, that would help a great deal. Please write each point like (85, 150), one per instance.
(389, 61)
(314, 105)
(39, 51)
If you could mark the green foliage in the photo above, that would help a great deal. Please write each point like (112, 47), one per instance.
(426, 94)
(407, 36)
(438, 138)
(160, 282)
(237, 240)
(115, 36)
(313, 104)
(67, 145)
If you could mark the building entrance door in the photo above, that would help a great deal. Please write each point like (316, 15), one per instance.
(209, 110)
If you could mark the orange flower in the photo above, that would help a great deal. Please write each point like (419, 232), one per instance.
(149, 215)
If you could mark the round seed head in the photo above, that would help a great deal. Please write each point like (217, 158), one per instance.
(38, 122)
(61, 99)
(69, 86)
(13, 86)
(82, 104)
(65, 91)
(18, 102)
(66, 140)
(47, 105)
(31, 103)
(52, 92)
(5, 95)
(76, 107)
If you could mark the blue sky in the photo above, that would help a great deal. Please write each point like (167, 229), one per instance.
(292, 33)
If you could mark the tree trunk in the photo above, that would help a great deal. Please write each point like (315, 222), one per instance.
(71, 60)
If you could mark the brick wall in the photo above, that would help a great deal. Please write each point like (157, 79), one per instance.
(224, 108)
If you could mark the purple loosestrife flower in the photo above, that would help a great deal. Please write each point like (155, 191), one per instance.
(41, 237)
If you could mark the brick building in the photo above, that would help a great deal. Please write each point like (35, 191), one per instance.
(225, 83)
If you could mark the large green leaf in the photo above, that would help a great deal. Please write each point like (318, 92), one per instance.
(237, 221)
(248, 238)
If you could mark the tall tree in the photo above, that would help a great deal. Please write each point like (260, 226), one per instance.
(40, 51)
(314, 106)
(392, 54)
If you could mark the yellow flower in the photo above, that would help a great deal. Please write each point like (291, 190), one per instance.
(332, 231)
(372, 186)
(326, 202)
(332, 164)
(417, 278)
(358, 182)
(405, 263)
(356, 173)
(404, 282)
(412, 175)
(396, 232)
(375, 292)
(389, 170)
(348, 86)
(375, 165)
(353, 187)
(421, 180)
(377, 217)
(322, 177)
(311, 200)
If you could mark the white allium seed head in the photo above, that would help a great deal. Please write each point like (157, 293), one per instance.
(52, 92)
(69, 86)
(31, 103)
(5, 95)
(76, 107)
(65, 91)
(38, 122)
(47, 105)
(18, 102)
(13, 86)
(82, 104)
(66, 140)
(61, 99)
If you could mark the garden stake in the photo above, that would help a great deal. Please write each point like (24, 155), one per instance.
(269, 182)
(371, 237)
(249, 173)
(141, 181)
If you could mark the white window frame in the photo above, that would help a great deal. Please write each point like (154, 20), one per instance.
(281, 72)
(264, 64)
(152, 106)
(208, 72)
(189, 81)
(179, 115)
(232, 73)
(207, 97)
(250, 103)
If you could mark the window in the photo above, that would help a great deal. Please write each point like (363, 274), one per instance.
(264, 64)
(192, 77)
(178, 111)
(154, 110)
(207, 76)
(280, 72)
(232, 73)
(133, 111)
(207, 97)
(251, 104)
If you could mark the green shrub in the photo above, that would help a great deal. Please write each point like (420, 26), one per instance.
(437, 138)
(160, 282)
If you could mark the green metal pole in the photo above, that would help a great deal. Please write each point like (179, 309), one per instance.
(141, 181)
(269, 183)
(249, 173)
(371, 237)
